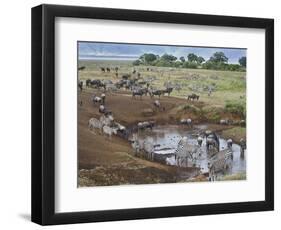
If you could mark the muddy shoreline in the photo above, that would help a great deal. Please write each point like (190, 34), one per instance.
(112, 162)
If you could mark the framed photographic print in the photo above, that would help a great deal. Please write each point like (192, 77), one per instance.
(142, 114)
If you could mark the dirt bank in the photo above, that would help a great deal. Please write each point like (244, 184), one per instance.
(104, 161)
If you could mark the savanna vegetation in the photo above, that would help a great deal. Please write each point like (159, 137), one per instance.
(218, 61)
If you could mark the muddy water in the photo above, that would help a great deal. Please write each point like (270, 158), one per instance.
(165, 139)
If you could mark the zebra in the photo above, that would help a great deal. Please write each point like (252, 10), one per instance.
(185, 152)
(108, 131)
(220, 163)
(107, 120)
(94, 123)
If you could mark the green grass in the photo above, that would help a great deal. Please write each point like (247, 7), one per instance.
(238, 176)
(230, 86)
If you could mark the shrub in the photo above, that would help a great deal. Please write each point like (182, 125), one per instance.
(236, 107)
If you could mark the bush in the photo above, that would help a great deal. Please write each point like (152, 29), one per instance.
(236, 107)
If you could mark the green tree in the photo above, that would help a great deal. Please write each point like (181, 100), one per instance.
(200, 60)
(137, 62)
(192, 57)
(148, 58)
(218, 57)
(182, 59)
(243, 61)
(168, 57)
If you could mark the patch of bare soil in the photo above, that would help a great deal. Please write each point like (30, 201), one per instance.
(104, 161)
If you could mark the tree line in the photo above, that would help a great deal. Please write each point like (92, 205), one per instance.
(218, 61)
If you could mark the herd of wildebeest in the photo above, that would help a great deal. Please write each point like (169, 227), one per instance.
(220, 160)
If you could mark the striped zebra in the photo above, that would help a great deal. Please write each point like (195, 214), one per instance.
(220, 163)
(94, 123)
(185, 153)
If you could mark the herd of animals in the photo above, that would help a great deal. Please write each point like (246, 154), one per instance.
(220, 160)
(134, 82)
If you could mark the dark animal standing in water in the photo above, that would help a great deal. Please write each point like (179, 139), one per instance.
(200, 141)
(81, 68)
(193, 97)
(212, 140)
(242, 147)
(107, 69)
(102, 69)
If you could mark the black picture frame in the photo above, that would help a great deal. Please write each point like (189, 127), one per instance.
(43, 114)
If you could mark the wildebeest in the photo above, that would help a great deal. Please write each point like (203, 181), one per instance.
(126, 76)
(88, 82)
(137, 92)
(193, 97)
(145, 125)
(242, 123)
(242, 147)
(167, 90)
(200, 140)
(103, 98)
(157, 104)
(104, 110)
(81, 68)
(224, 122)
(187, 121)
(97, 84)
(107, 69)
(121, 83)
(156, 92)
(116, 69)
(96, 99)
(102, 69)
(134, 71)
(212, 140)
(229, 143)
(80, 85)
